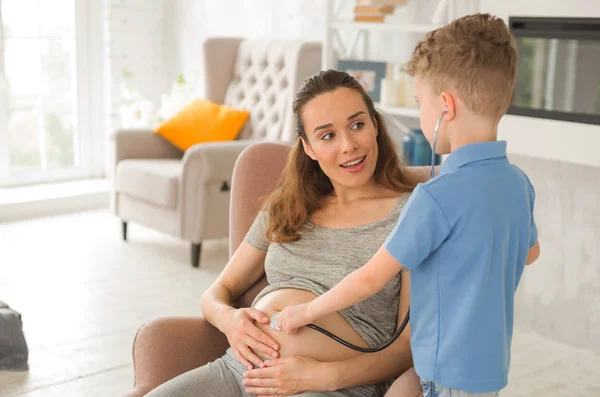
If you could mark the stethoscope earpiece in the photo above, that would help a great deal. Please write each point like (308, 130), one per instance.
(435, 134)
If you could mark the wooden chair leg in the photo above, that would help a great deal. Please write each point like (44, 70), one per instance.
(196, 249)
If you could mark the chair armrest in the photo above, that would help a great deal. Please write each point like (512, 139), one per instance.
(141, 144)
(212, 161)
(205, 167)
(170, 346)
(406, 385)
(167, 347)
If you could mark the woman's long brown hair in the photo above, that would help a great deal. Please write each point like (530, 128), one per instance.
(303, 186)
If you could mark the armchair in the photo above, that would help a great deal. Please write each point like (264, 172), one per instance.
(167, 347)
(187, 194)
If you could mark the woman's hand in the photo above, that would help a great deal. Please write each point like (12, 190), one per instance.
(294, 317)
(287, 376)
(245, 338)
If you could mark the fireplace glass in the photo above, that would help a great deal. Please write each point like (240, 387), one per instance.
(559, 68)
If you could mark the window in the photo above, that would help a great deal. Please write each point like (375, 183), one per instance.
(42, 74)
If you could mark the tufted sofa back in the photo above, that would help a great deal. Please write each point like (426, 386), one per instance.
(261, 76)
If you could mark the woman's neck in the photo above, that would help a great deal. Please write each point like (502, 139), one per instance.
(347, 196)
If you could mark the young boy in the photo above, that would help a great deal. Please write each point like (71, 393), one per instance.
(465, 234)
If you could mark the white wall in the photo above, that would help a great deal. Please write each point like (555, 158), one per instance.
(158, 40)
(134, 42)
(190, 22)
(93, 51)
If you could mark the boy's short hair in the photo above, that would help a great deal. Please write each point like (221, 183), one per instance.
(476, 56)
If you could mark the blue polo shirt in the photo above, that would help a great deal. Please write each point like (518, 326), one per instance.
(465, 235)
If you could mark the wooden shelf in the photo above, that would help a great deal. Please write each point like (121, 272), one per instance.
(382, 26)
(399, 111)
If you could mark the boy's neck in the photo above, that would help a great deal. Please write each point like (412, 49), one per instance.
(473, 130)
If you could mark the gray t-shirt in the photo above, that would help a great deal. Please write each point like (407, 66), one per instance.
(323, 257)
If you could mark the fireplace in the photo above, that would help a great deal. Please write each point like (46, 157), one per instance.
(559, 68)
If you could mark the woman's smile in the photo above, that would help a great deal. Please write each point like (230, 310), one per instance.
(354, 165)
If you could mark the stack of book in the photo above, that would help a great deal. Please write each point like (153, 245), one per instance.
(375, 10)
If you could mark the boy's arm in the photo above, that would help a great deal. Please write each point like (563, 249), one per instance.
(391, 362)
(533, 254)
(357, 286)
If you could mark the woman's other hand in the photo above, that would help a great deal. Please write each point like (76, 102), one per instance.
(287, 376)
(293, 317)
(245, 338)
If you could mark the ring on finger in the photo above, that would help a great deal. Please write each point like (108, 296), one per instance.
(274, 390)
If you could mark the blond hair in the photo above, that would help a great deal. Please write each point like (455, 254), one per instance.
(476, 56)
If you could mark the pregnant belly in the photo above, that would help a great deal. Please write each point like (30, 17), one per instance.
(307, 342)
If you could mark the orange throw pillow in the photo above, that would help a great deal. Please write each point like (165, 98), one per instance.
(202, 121)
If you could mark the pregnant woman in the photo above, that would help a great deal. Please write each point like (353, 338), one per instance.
(339, 197)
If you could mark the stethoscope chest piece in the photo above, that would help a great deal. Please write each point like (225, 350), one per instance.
(274, 324)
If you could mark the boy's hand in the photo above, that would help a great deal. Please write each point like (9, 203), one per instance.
(294, 317)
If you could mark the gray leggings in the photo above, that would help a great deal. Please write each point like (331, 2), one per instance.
(223, 378)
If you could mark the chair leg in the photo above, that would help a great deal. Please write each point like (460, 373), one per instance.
(124, 224)
(196, 248)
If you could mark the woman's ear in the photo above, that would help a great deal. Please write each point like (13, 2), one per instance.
(307, 149)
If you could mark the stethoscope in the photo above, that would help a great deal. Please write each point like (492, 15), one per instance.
(274, 318)
(435, 134)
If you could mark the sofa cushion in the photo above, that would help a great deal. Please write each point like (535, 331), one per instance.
(152, 180)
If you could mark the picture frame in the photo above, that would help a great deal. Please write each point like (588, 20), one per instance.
(367, 73)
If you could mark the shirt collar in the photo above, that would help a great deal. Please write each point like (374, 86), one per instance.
(473, 152)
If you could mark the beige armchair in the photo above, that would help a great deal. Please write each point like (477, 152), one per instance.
(186, 194)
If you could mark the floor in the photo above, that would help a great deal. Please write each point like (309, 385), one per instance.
(83, 293)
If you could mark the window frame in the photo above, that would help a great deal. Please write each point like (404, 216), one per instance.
(85, 153)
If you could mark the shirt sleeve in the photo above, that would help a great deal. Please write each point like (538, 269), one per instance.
(257, 235)
(420, 230)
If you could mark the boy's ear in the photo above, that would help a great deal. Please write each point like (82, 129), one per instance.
(448, 102)
(307, 149)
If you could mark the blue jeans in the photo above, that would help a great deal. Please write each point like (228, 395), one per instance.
(432, 389)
